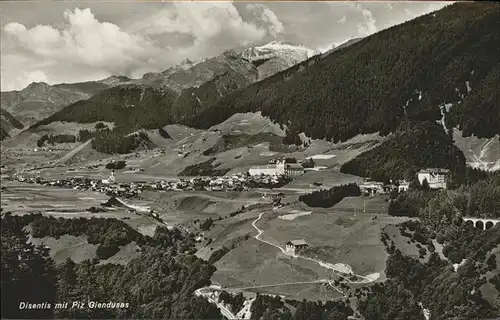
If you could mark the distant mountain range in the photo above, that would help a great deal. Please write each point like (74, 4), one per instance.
(40, 100)
(191, 86)
(206, 81)
(364, 85)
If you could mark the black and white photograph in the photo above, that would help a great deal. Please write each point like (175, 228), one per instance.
(272, 160)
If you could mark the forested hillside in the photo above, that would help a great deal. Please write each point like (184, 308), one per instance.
(467, 291)
(8, 122)
(409, 70)
(132, 107)
(413, 146)
(159, 285)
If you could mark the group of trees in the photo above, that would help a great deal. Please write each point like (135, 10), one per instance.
(445, 293)
(120, 164)
(268, 307)
(55, 138)
(235, 302)
(28, 273)
(117, 141)
(109, 234)
(330, 197)
(158, 284)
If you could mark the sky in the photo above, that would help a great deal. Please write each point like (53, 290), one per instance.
(74, 41)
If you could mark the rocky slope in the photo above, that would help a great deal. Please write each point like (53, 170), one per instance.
(276, 56)
(40, 100)
(190, 74)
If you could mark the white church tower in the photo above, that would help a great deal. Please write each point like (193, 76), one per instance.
(111, 178)
(280, 167)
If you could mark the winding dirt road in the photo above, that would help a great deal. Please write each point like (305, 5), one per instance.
(339, 270)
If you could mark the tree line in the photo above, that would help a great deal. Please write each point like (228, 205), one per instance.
(330, 197)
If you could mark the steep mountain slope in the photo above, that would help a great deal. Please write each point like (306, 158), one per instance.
(275, 56)
(406, 71)
(8, 123)
(190, 86)
(40, 100)
(130, 107)
(416, 145)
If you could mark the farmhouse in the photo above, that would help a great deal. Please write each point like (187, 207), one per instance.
(436, 177)
(403, 186)
(293, 245)
(372, 187)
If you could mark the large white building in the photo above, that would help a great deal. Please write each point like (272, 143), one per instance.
(278, 169)
(436, 177)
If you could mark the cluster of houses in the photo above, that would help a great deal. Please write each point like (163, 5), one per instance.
(435, 177)
(236, 182)
(130, 190)
(278, 167)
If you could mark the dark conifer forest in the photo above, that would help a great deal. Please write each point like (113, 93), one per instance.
(406, 71)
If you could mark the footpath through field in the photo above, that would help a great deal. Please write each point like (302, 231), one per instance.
(339, 270)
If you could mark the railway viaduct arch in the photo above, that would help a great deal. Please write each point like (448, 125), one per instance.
(482, 223)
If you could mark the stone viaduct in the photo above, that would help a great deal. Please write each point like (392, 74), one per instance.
(482, 223)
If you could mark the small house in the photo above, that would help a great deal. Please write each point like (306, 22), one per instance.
(293, 245)
(403, 186)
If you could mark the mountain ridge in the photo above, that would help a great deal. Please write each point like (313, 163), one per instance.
(406, 71)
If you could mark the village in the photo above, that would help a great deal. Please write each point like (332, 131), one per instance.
(111, 186)
(272, 176)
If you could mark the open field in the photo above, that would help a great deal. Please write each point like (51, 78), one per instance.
(346, 233)
(68, 246)
(255, 263)
(20, 198)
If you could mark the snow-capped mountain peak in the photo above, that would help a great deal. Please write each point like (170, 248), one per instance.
(278, 48)
(276, 56)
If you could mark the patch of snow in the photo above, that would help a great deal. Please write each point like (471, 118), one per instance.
(321, 156)
(267, 154)
(245, 312)
(292, 216)
(458, 265)
(373, 276)
(469, 89)
(427, 313)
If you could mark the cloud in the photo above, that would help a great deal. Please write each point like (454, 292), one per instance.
(368, 27)
(211, 23)
(266, 18)
(342, 20)
(83, 40)
(92, 48)
(25, 78)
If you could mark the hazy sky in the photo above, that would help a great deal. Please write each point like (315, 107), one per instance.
(75, 41)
